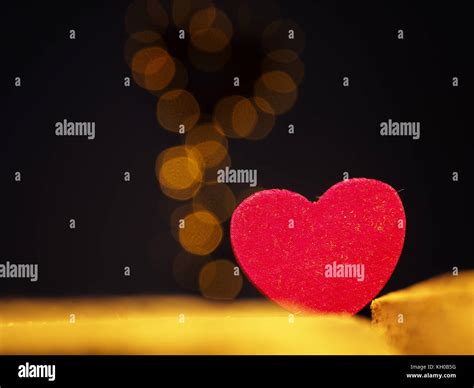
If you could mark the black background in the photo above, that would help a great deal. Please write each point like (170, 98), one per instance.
(390, 371)
(337, 130)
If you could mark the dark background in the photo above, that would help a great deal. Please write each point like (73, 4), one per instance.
(337, 130)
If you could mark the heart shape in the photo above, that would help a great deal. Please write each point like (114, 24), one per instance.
(333, 255)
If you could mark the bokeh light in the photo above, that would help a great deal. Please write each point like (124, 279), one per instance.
(276, 92)
(201, 234)
(235, 116)
(140, 40)
(217, 198)
(183, 10)
(211, 30)
(211, 173)
(189, 172)
(218, 280)
(177, 217)
(146, 15)
(244, 117)
(177, 109)
(180, 80)
(153, 68)
(210, 142)
(179, 171)
(265, 119)
(286, 61)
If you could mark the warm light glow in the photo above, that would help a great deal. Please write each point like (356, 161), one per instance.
(265, 119)
(286, 61)
(153, 68)
(146, 15)
(212, 152)
(174, 326)
(204, 18)
(210, 142)
(220, 280)
(211, 30)
(180, 172)
(275, 92)
(210, 174)
(210, 40)
(201, 233)
(217, 198)
(244, 117)
(235, 116)
(178, 110)
(279, 82)
(180, 80)
(183, 10)
(140, 40)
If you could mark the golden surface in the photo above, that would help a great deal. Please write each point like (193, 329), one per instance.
(432, 317)
(177, 326)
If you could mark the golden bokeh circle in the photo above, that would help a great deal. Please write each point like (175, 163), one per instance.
(177, 218)
(202, 233)
(276, 92)
(153, 68)
(210, 142)
(211, 173)
(235, 116)
(140, 40)
(286, 61)
(217, 198)
(244, 117)
(179, 171)
(183, 10)
(211, 30)
(210, 40)
(265, 119)
(177, 109)
(217, 280)
(146, 15)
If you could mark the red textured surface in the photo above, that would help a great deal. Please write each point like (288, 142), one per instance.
(355, 222)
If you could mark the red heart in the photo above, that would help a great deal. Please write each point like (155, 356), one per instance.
(334, 255)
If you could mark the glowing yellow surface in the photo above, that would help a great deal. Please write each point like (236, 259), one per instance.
(432, 317)
(177, 326)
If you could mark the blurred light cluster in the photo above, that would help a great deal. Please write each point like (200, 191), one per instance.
(188, 172)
